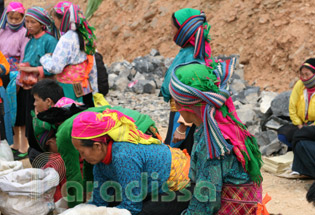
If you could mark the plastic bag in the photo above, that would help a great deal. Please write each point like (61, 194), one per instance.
(5, 151)
(84, 209)
(28, 191)
(7, 167)
(27, 79)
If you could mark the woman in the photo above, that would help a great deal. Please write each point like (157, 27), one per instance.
(224, 153)
(12, 45)
(73, 61)
(302, 103)
(40, 29)
(126, 157)
(194, 43)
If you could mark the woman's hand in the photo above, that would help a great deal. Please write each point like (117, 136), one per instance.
(300, 126)
(180, 133)
(28, 69)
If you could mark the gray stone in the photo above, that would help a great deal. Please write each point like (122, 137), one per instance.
(252, 90)
(120, 68)
(168, 62)
(280, 104)
(239, 96)
(154, 52)
(149, 88)
(143, 65)
(275, 147)
(144, 86)
(237, 85)
(265, 101)
(239, 73)
(139, 76)
(273, 124)
(246, 114)
(121, 83)
(264, 138)
(111, 80)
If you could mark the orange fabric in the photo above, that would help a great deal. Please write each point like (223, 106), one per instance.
(261, 207)
(78, 73)
(5, 64)
(179, 169)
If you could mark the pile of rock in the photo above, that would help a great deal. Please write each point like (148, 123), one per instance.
(262, 112)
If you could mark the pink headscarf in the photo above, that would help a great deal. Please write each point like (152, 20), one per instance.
(62, 6)
(16, 7)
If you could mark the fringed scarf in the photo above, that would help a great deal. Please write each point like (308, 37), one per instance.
(12, 7)
(42, 16)
(118, 126)
(73, 19)
(193, 29)
(196, 88)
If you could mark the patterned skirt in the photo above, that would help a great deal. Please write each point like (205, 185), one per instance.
(240, 199)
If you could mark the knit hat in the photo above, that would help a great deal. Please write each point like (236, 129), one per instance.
(309, 64)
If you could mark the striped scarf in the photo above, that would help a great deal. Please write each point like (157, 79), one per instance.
(198, 88)
(12, 7)
(309, 83)
(186, 95)
(42, 16)
(73, 19)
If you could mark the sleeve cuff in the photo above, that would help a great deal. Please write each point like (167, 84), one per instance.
(41, 71)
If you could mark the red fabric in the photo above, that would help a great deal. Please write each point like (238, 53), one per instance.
(108, 157)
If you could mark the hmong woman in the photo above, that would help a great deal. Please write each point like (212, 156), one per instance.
(12, 35)
(224, 153)
(126, 157)
(73, 61)
(191, 32)
(12, 45)
(39, 29)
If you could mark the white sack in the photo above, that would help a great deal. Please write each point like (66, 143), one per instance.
(7, 167)
(84, 209)
(5, 151)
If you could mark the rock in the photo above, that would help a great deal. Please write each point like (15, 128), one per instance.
(139, 76)
(168, 62)
(251, 94)
(280, 104)
(111, 80)
(149, 15)
(121, 83)
(273, 148)
(154, 52)
(273, 124)
(149, 88)
(265, 101)
(144, 86)
(239, 97)
(237, 85)
(246, 114)
(143, 65)
(120, 68)
(264, 138)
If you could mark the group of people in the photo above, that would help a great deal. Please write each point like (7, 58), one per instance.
(209, 163)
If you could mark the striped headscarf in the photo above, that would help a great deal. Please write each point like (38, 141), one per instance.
(73, 19)
(309, 64)
(193, 29)
(112, 123)
(199, 89)
(42, 16)
(60, 7)
(12, 7)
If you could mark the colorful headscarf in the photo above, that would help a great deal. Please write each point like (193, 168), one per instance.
(197, 89)
(118, 126)
(62, 6)
(42, 16)
(15, 7)
(194, 30)
(73, 19)
(309, 64)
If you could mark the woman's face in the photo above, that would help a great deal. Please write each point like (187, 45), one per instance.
(57, 21)
(305, 73)
(189, 117)
(14, 17)
(33, 26)
(92, 155)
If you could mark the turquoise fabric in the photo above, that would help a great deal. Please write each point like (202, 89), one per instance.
(185, 55)
(7, 116)
(129, 161)
(11, 92)
(216, 172)
(36, 48)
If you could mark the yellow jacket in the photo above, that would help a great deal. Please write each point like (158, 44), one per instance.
(299, 104)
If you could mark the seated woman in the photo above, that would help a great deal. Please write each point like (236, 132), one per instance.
(224, 155)
(127, 158)
(302, 103)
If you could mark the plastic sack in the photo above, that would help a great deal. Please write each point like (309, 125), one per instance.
(27, 79)
(28, 191)
(84, 209)
(7, 167)
(5, 151)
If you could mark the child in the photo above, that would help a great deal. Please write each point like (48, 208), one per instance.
(12, 35)
(39, 27)
(6, 126)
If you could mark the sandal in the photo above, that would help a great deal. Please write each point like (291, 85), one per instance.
(289, 174)
(14, 151)
(20, 156)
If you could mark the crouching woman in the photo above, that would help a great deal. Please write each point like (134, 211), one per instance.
(138, 167)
